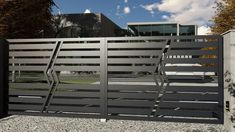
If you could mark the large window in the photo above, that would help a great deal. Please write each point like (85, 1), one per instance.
(170, 29)
(154, 30)
(157, 30)
(145, 30)
(186, 30)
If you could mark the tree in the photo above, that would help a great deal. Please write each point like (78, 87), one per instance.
(24, 18)
(224, 19)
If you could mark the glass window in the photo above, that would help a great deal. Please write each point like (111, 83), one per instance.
(157, 30)
(145, 30)
(186, 30)
(154, 30)
(164, 30)
(170, 29)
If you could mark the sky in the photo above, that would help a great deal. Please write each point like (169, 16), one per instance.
(121, 12)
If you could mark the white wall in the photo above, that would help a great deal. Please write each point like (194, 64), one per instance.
(229, 51)
(229, 65)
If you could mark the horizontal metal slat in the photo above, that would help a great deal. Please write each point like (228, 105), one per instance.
(52, 40)
(31, 46)
(79, 86)
(194, 44)
(80, 46)
(24, 107)
(192, 88)
(75, 109)
(77, 94)
(28, 85)
(205, 84)
(189, 105)
(191, 68)
(135, 53)
(190, 60)
(186, 77)
(190, 96)
(186, 113)
(27, 68)
(79, 53)
(132, 95)
(30, 53)
(30, 61)
(132, 111)
(26, 100)
(27, 93)
(77, 68)
(77, 61)
(130, 103)
(76, 101)
(132, 68)
(192, 52)
(139, 38)
(133, 87)
(133, 61)
(137, 45)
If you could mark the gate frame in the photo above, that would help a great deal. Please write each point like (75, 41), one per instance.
(104, 78)
(4, 68)
(221, 78)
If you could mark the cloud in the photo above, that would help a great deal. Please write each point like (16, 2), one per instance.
(175, 6)
(126, 10)
(204, 30)
(165, 17)
(118, 12)
(87, 11)
(184, 11)
(122, 11)
(126, 1)
(118, 7)
(150, 7)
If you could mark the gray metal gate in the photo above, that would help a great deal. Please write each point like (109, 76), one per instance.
(143, 78)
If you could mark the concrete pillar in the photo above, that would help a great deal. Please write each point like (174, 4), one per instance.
(229, 80)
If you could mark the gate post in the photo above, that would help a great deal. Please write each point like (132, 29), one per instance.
(4, 56)
(221, 78)
(103, 79)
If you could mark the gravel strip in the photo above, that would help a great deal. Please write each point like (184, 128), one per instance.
(60, 124)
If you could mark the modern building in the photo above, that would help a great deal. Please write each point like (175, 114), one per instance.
(84, 25)
(98, 25)
(161, 29)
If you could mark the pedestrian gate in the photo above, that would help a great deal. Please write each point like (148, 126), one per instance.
(143, 78)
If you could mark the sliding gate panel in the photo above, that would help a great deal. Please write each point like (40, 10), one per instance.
(58, 77)
(166, 78)
(174, 78)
